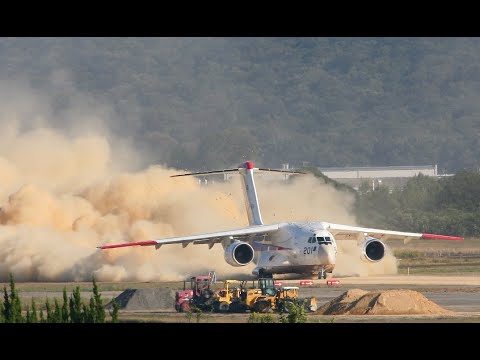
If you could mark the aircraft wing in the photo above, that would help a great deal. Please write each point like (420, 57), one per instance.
(243, 234)
(346, 232)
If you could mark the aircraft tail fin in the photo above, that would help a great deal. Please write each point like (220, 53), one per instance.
(249, 190)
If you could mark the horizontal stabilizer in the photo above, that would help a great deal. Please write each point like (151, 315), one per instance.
(214, 172)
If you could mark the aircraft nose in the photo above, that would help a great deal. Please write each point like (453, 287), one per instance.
(327, 254)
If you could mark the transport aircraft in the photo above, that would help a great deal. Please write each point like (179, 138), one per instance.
(307, 248)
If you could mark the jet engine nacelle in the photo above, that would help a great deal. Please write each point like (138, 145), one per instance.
(373, 250)
(239, 253)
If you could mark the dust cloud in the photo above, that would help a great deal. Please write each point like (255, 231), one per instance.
(64, 191)
(308, 199)
(61, 199)
(349, 263)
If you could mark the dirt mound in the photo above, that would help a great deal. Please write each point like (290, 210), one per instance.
(159, 299)
(389, 302)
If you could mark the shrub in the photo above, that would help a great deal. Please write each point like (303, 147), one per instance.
(296, 313)
(260, 318)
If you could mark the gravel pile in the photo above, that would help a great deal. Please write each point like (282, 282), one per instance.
(389, 302)
(158, 299)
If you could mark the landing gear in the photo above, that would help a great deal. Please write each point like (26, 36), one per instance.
(322, 274)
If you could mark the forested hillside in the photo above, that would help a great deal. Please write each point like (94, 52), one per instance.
(193, 102)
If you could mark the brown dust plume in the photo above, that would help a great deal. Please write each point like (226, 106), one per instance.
(60, 198)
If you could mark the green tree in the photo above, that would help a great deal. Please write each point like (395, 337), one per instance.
(114, 312)
(7, 306)
(12, 311)
(42, 318)
(461, 192)
(75, 305)
(65, 314)
(48, 309)
(71, 306)
(427, 205)
(57, 312)
(86, 314)
(15, 302)
(33, 317)
(296, 313)
(2, 313)
(420, 193)
(90, 312)
(98, 304)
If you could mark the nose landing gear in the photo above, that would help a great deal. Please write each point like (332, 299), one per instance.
(322, 274)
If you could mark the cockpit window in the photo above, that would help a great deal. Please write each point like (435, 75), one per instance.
(324, 240)
(312, 240)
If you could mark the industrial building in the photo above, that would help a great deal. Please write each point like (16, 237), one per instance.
(374, 176)
(391, 176)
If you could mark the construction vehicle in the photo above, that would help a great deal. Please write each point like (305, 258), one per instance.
(289, 295)
(200, 296)
(310, 304)
(264, 297)
(286, 295)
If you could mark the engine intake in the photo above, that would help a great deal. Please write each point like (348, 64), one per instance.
(239, 253)
(373, 250)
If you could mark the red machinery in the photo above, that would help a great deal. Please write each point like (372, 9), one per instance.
(200, 295)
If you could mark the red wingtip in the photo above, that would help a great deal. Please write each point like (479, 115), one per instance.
(249, 165)
(139, 243)
(440, 237)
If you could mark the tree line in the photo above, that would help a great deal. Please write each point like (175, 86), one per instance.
(72, 310)
(449, 205)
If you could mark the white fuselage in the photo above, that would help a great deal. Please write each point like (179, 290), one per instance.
(296, 248)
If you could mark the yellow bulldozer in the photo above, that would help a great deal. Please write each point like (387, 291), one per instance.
(263, 297)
